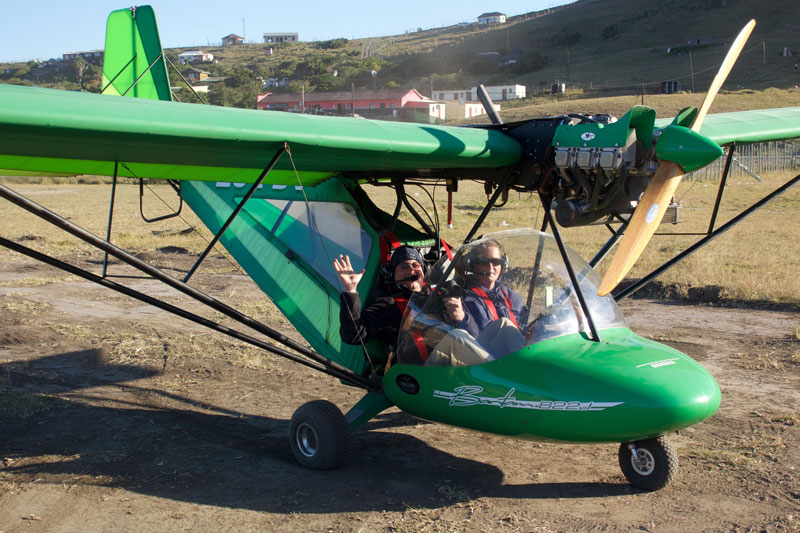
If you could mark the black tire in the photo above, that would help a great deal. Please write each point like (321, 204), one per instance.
(319, 436)
(655, 467)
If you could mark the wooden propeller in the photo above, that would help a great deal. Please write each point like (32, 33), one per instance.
(655, 199)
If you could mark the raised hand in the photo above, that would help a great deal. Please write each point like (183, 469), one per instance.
(344, 269)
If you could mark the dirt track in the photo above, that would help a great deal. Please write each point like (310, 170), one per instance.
(116, 416)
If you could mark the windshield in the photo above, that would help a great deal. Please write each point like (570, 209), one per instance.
(499, 294)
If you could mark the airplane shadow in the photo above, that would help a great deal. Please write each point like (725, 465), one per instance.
(199, 453)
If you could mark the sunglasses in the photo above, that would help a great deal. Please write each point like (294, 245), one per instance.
(483, 261)
(410, 265)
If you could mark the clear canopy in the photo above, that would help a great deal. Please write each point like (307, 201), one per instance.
(518, 270)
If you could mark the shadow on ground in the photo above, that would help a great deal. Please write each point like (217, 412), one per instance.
(199, 453)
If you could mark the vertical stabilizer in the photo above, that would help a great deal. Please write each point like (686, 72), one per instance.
(133, 61)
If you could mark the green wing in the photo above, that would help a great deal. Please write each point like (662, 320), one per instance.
(762, 125)
(44, 130)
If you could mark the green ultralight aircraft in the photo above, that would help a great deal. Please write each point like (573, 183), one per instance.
(283, 193)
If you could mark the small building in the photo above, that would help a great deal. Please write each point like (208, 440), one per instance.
(670, 87)
(459, 111)
(94, 57)
(276, 82)
(391, 104)
(194, 56)
(696, 41)
(232, 39)
(281, 37)
(492, 18)
(194, 75)
(496, 93)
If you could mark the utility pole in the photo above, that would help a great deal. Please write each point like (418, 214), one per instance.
(353, 96)
(691, 67)
(567, 65)
(764, 51)
(302, 98)
(244, 33)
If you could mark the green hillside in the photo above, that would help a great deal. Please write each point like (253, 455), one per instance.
(597, 47)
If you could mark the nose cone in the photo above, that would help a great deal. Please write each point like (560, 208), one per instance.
(662, 390)
(687, 148)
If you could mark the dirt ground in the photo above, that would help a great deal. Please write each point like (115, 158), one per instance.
(117, 416)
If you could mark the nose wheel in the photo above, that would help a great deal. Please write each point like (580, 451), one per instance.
(319, 436)
(648, 464)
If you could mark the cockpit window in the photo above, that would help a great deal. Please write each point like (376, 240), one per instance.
(514, 290)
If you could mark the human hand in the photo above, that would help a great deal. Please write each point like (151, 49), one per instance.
(454, 309)
(344, 269)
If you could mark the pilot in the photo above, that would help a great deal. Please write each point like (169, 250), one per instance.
(494, 312)
(381, 317)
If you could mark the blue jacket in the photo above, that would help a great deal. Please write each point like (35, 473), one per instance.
(477, 310)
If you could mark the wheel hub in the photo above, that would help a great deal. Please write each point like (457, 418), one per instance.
(643, 461)
(306, 439)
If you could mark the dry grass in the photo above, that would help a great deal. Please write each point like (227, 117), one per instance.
(756, 261)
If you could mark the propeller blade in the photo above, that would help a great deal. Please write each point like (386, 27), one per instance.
(722, 74)
(655, 199)
(643, 223)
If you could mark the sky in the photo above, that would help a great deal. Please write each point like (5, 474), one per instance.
(44, 29)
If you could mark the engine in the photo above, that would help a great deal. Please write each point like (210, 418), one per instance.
(601, 167)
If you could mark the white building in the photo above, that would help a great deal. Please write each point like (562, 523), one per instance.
(458, 111)
(281, 37)
(492, 18)
(194, 56)
(275, 82)
(497, 93)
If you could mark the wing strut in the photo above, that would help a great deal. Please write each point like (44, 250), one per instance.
(236, 211)
(710, 235)
(155, 302)
(491, 203)
(179, 285)
(573, 278)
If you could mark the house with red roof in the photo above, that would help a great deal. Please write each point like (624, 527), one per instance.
(392, 104)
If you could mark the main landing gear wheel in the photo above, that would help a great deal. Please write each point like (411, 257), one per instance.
(319, 436)
(649, 464)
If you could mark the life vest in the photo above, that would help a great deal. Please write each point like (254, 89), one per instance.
(490, 307)
(416, 334)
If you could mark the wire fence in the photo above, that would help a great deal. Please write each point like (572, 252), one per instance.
(754, 160)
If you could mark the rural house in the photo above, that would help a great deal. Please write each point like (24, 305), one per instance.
(496, 93)
(492, 18)
(232, 39)
(194, 56)
(194, 75)
(281, 37)
(94, 57)
(393, 104)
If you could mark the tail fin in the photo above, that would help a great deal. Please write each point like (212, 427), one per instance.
(133, 62)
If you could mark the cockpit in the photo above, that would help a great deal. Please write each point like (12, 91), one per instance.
(513, 290)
